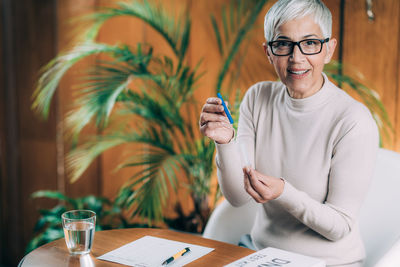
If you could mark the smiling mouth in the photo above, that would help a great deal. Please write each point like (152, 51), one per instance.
(298, 72)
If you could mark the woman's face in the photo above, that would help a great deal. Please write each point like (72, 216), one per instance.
(301, 73)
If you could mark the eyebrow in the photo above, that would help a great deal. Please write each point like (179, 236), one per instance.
(304, 37)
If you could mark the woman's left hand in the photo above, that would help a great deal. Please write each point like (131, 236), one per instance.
(262, 188)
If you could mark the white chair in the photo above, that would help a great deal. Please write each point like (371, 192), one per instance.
(379, 218)
(228, 224)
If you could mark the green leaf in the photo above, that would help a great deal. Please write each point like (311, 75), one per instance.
(170, 28)
(51, 194)
(47, 219)
(95, 204)
(80, 159)
(217, 34)
(240, 35)
(56, 69)
(98, 102)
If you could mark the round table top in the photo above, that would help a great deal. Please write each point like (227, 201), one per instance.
(56, 253)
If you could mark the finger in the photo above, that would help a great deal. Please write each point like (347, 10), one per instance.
(212, 117)
(250, 190)
(213, 130)
(260, 187)
(212, 108)
(214, 100)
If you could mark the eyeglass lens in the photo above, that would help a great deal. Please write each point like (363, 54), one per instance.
(307, 47)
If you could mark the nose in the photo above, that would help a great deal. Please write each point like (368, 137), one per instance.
(296, 55)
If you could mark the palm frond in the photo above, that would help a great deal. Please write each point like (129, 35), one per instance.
(162, 104)
(176, 84)
(106, 83)
(97, 102)
(51, 195)
(56, 69)
(240, 24)
(171, 28)
(154, 136)
(154, 110)
(217, 33)
(79, 160)
(150, 189)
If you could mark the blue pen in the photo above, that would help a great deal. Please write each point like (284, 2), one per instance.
(225, 108)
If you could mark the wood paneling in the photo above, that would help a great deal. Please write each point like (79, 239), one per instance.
(68, 33)
(3, 161)
(9, 149)
(28, 43)
(397, 95)
(334, 7)
(2, 107)
(371, 47)
(37, 164)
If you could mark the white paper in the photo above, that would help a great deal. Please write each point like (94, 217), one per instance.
(150, 251)
(277, 257)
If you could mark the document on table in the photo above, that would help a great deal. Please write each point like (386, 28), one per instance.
(150, 251)
(277, 257)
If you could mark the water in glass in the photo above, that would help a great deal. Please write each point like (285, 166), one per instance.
(79, 236)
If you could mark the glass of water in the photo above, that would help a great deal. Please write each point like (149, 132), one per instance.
(79, 227)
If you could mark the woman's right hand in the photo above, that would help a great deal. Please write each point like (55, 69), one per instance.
(214, 123)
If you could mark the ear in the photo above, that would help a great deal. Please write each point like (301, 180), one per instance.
(266, 52)
(331, 45)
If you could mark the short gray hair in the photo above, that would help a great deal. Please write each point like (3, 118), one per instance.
(286, 10)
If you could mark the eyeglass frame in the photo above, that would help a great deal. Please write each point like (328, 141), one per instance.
(298, 44)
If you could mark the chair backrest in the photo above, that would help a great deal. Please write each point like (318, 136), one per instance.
(379, 218)
(228, 224)
(380, 215)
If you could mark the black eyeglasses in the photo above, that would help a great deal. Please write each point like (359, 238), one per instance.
(307, 46)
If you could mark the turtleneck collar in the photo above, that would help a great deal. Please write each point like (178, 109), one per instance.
(312, 102)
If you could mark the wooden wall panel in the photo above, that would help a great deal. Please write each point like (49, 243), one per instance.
(334, 7)
(36, 139)
(203, 46)
(256, 66)
(29, 149)
(11, 220)
(68, 34)
(397, 95)
(3, 161)
(372, 48)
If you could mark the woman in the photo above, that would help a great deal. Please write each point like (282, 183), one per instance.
(312, 146)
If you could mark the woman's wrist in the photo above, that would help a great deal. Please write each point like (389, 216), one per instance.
(227, 142)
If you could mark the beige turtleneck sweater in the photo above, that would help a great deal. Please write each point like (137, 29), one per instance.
(324, 146)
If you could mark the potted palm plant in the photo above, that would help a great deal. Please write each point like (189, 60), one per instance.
(152, 97)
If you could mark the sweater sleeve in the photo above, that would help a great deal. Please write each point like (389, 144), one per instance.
(232, 157)
(352, 166)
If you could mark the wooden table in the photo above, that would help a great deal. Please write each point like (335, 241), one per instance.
(56, 252)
